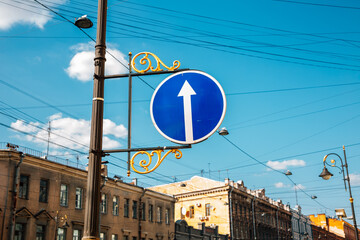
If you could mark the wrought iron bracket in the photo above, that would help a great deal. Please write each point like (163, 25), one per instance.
(155, 151)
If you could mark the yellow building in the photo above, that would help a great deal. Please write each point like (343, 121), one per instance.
(339, 227)
(230, 206)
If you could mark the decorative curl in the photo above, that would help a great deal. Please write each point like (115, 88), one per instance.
(333, 162)
(146, 163)
(146, 60)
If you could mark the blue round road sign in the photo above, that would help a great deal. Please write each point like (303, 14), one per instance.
(188, 107)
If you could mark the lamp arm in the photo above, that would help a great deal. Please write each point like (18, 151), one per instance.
(333, 164)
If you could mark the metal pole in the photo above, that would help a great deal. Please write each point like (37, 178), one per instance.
(351, 198)
(277, 223)
(231, 214)
(129, 113)
(92, 205)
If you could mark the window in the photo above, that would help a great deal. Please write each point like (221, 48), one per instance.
(134, 210)
(158, 214)
(182, 212)
(103, 203)
(126, 207)
(125, 237)
(191, 212)
(207, 209)
(151, 210)
(40, 232)
(102, 236)
(114, 237)
(115, 205)
(24, 187)
(43, 194)
(134, 238)
(61, 234)
(19, 231)
(76, 234)
(78, 198)
(143, 211)
(167, 216)
(63, 195)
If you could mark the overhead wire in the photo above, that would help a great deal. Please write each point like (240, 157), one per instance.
(215, 19)
(260, 52)
(269, 167)
(318, 4)
(295, 107)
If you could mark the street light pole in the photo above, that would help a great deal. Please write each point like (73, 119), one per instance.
(92, 205)
(351, 198)
(326, 175)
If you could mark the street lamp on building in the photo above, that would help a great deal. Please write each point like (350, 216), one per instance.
(326, 175)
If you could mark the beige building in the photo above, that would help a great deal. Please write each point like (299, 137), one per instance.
(48, 203)
(234, 209)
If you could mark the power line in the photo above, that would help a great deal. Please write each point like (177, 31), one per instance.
(259, 162)
(293, 89)
(242, 49)
(35, 98)
(319, 4)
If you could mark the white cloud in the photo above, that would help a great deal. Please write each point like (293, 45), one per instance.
(12, 13)
(81, 66)
(77, 130)
(354, 179)
(281, 185)
(277, 165)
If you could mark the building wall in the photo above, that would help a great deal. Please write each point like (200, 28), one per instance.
(234, 209)
(341, 228)
(185, 232)
(31, 212)
(196, 193)
(323, 234)
(301, 225)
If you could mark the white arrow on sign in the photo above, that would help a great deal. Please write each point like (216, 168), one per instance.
(186, 92)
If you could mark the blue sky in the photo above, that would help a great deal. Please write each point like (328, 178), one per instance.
(290, 72)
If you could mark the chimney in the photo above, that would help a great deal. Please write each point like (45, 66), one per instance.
(134, 182)
(226, 181)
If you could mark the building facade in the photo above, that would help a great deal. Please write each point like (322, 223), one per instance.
(339, 227)
(301, 225)
(231, 207)
(323, 234)
(185, 232)
(41, 199)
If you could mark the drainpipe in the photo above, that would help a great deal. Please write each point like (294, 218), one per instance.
(16, 182)
(277, 223)
(6, 200)
(231, 215)
(253, 216)
(140, 212)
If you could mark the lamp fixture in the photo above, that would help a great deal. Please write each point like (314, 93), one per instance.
(223, 131)
(325, 174)
(83, 22)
